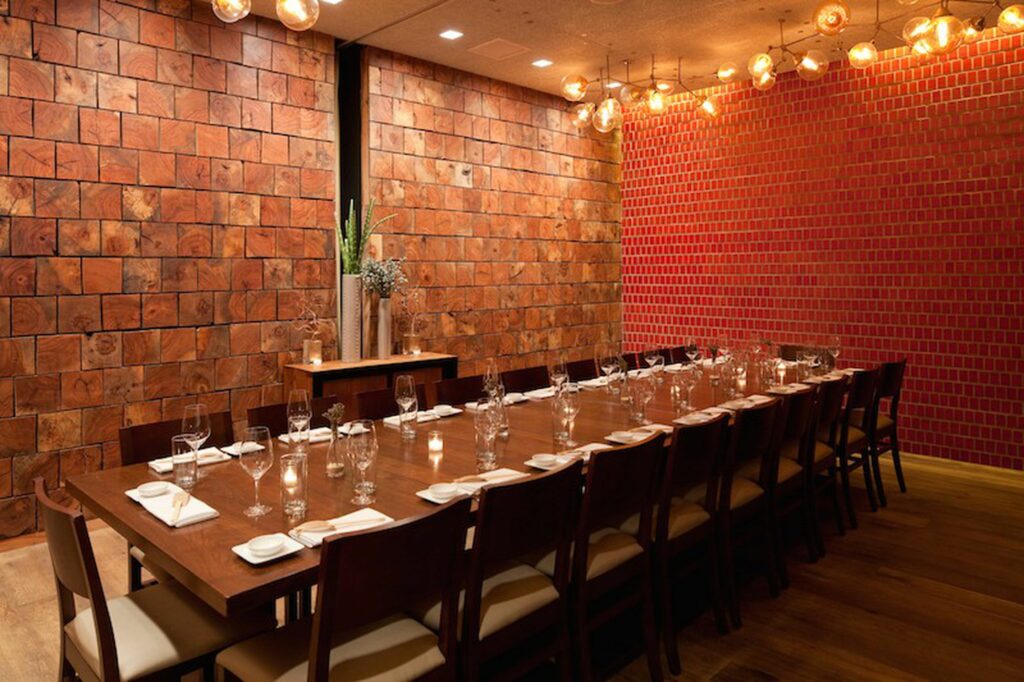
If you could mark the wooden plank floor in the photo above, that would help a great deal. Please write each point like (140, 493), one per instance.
(930, 588)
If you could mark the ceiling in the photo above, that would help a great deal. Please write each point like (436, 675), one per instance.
(578, 35)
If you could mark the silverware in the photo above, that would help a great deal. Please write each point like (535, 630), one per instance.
(472, 478)
(177, 504)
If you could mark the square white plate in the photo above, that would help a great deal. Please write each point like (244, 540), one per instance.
(290, 547)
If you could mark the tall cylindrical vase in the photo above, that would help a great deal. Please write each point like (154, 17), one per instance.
(351, 317)
(384, 328)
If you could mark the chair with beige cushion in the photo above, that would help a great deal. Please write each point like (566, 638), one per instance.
(146, 442)
(611, 563)
(361, 629)
(826, 468)
(512, 611)
(160, 631)
(853, 446)
(685, 520)
(882, 432)
(744, 509)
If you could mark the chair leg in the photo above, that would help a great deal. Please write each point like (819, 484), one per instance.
(650, 629)
(895, 450)
(717, 601)
(869, 485)
(564, 658)
(809, 520)
(770, 538)
(844, 474)
(728, 577)
(668, 625)
(134, 572)
(582, 637)
(836, 509)
(877, 471)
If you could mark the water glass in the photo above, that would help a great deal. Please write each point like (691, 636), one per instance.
(486, 421)
(362, 454)
(657, 364)
(558, 374)
(408, 405)
(640, 391)
(499, 397)
(184, 461)
(294, 482)
(299, 415)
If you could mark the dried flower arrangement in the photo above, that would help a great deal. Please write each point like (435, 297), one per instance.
(384, 277)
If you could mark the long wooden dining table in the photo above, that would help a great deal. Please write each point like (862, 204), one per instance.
(199, 556)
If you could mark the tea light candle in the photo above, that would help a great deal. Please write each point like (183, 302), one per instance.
(289, 478)
(435, 442)
(293, 483)
(318, 361)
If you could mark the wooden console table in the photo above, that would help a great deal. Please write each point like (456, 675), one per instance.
(347, 379)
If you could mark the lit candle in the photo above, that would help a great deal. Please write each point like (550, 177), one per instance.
(289, 477)
(435, 442)
(318, 361)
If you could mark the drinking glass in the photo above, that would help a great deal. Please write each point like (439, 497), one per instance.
(195, 425)
(640, 390)
(610, 364)
(722, 346)
(362, 454)
(408, 405)
(557, 371)
(486, 422)
(657, 364)
(294, 482)
(833, 350)
(257, 462)
(299, 414)
(492, 378)
(502, 408)
(613, 377)
(569, 397)
(184, 461)
(682, 386)
(651, 353)
(692, 350)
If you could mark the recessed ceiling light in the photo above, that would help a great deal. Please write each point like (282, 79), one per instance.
(451, 34)
(614, 84)
(543, 63)
(332, 2)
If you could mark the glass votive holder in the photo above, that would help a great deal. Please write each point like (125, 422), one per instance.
(294, 482)
(435, 442)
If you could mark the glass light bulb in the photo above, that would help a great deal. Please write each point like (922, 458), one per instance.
(863, 55)
(582, 114)
(608, 115)
(813, 65)
(709, 108)
(727, 72)
(920, 50)
(915, 28)
(973, 28)
(766, 81)
(945, 34)
(230, 11)
(298, 15)
(666, 87)
(630, 94)
(760, 64)
(656, 102)
(1011, 19)
(574, 87)
(831, 17)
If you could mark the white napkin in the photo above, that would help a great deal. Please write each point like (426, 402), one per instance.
(694, 418)
(239, 448)
(357, 520)
(718, 410)
(639, 372)
(162, 507)
(674, 367)
(627, 437)
(496, 476)
(651, 428)
(321, 434)
(737, 404)
(594, 383)
(758, 399)
(211, 455)
(423, 416)
(541, 393)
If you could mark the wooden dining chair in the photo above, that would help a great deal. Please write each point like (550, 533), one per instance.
(633, 361)
(458, 391)
(145, 442)
(366, 588)
(580, 370)
(823, 471)
(275, 417)
(677, 354)
(854, 443)
(513, 613)
(611, 563)
(526, 379)
(381, 403)
(160, 632)
(685, 520)
(744, 510)
(883, 435)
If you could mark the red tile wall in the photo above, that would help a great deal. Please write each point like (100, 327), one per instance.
(886, 206)
(508, 218)
(166, 195)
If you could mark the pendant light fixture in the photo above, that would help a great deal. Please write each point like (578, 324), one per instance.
(831, 17)
(582, 114)
(1011, 19)
(298, 15)
(574, 87)
(760, 64)
(728, 72)
(812, 65)
(915, 29)
(864, 55)
(230, 11)
(608, 114)
(945, 33)
(973, 28)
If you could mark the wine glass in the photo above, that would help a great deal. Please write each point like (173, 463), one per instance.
(569, 397)
(362, 453)
(640, 390)
(557, 371)
(609, 364)
(408, 405)
(657, 364)
(299, 414)
(492, 378)
(692, 350)
(195, 425)
(257, 461)
(833, 350)
(486, 423)
(722, 346)
(651, 355)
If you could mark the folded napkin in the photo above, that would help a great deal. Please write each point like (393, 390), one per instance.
(695, 418)
(651, 428)
(423, 416)
(737, 404)
(318, 435)
(164, 465)
(594, 383)
(674, 367)
(639, 372)
(541, 393)
(357, 520)
(758, 399)
(162, 507)
(239, 448)
(496, 476)
(627, 437)
(718, 410)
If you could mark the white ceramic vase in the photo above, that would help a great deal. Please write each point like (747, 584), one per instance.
(351, 317)
(384, 328)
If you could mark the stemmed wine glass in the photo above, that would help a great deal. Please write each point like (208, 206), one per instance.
(692, 350)
(492, 378)
(833, 350)
(640, 390)
(681, 388)
(257, 461)
(408, 405)
(299, 414)
(651, 355)
(195, 425)
(362, 453)
(557, 371)
(608, 361)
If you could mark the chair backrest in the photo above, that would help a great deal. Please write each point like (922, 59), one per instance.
(800, 414)
(146, 442)
(275, 417)
(381, 403)
(890, 384)
(527, 379)
(755, 436)
(74, 568)
(581, 369)
(367, 575)
(830, 409)
(620, 482)
(861, 396)
(460, 390)
(695, 458)
(633, 360)
(676, 354)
